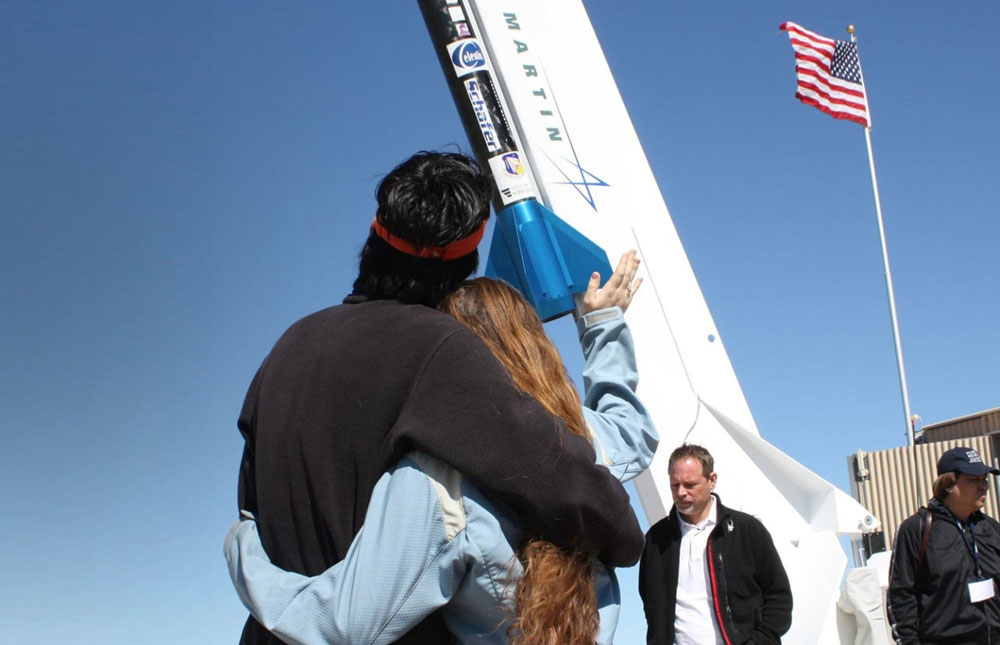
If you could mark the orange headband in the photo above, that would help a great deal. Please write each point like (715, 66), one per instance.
(456, 249)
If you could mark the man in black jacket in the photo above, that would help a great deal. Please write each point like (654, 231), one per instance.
(346, 391)
(946, 561)
(710, 574)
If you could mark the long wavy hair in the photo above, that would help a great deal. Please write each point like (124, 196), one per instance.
(555, 602)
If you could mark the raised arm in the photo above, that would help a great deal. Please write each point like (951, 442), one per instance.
(624, 436)
(407, 561)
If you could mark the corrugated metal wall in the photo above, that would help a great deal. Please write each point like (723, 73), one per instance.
(894, 483)
(972, 425)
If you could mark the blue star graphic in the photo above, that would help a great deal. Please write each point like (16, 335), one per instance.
(584, 183)
(587, 179)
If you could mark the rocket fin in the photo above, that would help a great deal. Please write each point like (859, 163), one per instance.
(545, 258)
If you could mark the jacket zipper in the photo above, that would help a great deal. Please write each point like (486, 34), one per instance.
(715, 594)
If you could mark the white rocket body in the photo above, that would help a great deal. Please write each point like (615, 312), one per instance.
(590, 168)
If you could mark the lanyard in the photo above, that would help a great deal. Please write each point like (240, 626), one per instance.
(973, 549)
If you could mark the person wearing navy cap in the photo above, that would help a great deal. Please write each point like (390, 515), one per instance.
(946, 561)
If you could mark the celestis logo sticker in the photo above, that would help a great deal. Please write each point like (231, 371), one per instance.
(466, 56)
(473, 89)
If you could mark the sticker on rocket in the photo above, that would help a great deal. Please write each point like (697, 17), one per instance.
(466, 56)
(472, 88)
(511, 179)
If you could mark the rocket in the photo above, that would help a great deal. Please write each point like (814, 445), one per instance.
(540, 64)
(545, 258)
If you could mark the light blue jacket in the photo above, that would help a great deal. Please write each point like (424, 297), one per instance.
(432, 541)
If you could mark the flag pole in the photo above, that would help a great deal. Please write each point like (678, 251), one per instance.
(885, 261)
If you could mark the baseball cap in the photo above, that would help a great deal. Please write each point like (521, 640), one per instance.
(963, 460)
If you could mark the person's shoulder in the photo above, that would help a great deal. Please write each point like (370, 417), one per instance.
(722, 511)
(741, 523)
(317, 317)
(742, 519)
(913, 522)
(988, 531)
(989, 521)
(663, 529)
(380, 309)
(307, 329)
(380, 314)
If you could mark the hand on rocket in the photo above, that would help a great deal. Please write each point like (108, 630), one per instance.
(617, 291)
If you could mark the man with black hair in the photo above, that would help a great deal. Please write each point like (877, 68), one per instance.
(348, 390)
(946, 561)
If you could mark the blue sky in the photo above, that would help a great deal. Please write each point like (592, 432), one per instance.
(182, 181)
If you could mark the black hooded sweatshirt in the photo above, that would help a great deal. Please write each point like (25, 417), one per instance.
(932, 604)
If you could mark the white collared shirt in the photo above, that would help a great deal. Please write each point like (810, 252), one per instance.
(694, 620)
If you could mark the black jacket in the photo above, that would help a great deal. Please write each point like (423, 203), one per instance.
(934, 606)
(349, 390)
(751, 597)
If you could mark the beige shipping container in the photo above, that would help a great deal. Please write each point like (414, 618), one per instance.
(972, 425)
(894, 483)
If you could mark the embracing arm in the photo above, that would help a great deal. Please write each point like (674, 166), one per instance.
(466, 411)
(407, 561)
(625, 438)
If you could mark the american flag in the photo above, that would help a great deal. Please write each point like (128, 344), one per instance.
(829, 74)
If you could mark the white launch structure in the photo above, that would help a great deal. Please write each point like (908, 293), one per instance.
(591, 171)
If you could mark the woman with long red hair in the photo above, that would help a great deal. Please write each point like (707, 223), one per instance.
(432, 541)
